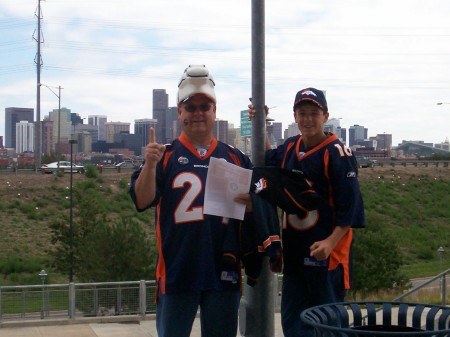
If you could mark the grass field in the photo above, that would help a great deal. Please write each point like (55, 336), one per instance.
(412, 204)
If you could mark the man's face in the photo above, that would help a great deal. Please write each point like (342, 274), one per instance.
(197, 116)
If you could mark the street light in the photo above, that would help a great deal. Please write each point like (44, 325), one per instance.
(71, 142)
(441, 251)
(43, 274)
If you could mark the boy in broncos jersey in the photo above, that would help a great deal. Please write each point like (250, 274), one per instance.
(316, 244)
(189, 272)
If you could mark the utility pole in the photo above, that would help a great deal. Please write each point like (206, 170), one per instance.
(38, 61)
(59, 121)
(260, 299)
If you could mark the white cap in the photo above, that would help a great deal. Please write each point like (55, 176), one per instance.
(196, 80)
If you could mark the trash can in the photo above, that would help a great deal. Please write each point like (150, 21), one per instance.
(400, 319)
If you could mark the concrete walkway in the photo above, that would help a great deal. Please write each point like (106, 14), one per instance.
(82, 328)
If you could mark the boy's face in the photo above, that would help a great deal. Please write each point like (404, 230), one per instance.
(310, 119)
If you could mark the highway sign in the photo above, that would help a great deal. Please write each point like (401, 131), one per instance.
(246, 124)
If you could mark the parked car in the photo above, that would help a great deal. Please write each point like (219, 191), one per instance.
(363, 162)
(64, 166)
(126, 164)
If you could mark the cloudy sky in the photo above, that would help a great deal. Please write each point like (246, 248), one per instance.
(384, 64)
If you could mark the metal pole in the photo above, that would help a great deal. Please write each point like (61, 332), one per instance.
(59, 122)
(71, 142)
(37, 137)
(259, 300)
(42, 275)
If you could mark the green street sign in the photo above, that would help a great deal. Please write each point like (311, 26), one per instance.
(246, 125)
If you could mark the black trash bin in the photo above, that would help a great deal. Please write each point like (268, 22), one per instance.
(400, 319)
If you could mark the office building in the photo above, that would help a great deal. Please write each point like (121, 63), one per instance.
(384, 141)
(341, 133)
(160, 106)
(12, 117)
(291, 130)
(332, 124)
(24, 137)
(100, 122)
(47, 136)
(356, 133)
(274, 133)
(221, 130)
(62, 129)
(172, 129)
(142, 127)
(113, 128)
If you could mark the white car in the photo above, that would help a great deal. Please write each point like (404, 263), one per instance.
(64, 166)
(126, 164)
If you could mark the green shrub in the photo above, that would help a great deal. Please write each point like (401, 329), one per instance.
(90, 171)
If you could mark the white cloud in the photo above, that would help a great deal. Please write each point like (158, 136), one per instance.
(384, 64)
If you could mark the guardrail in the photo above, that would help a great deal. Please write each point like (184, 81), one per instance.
(415, 163)
(105, 169)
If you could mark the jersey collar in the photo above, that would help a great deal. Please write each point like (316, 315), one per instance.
(183, 140)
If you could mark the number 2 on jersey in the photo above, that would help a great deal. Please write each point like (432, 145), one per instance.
(184, 211)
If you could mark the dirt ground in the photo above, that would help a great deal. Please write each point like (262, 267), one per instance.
(399, 171)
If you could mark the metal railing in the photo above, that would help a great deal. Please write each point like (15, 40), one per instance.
(82, 300)
(77, 300)
(443, 287)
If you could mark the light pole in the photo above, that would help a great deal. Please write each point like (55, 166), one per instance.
(59, 114)
(43, 274)
(71, 142)
(441, 251)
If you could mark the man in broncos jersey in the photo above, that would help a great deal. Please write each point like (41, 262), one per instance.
(190, 272)
(316, 244)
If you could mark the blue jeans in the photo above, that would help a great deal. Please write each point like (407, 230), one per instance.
(307, 290)
(175, 313)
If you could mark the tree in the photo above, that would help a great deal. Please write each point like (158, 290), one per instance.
(103, 249)
(120, 251)
(377, 262)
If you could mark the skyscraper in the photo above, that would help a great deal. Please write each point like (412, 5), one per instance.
(173, 129)
(113, 128)
(12, 117)
(356, 133)
(142, 127)
(100, 122)
(221, 130)
(62, 128)
(160, 106)
(24, 137)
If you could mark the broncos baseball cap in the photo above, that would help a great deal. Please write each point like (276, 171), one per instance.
(196, 79)
(311, 95)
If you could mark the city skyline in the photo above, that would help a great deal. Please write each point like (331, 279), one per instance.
(381, 66)
(91, 120)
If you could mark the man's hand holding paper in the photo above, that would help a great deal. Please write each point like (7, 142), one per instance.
(224, 182)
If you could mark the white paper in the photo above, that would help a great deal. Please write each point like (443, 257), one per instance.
(223, 183)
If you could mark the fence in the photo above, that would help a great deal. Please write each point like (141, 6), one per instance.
(77, 300)
(82, 300)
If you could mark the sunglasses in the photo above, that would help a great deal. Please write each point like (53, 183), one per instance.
(204, 107)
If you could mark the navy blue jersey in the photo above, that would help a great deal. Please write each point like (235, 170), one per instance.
(190, 243)
(332, 171)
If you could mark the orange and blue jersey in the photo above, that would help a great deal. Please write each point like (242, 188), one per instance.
(332, 171)
(190, 243)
